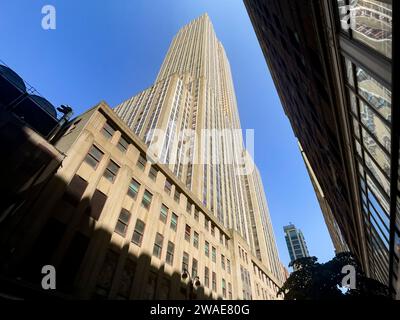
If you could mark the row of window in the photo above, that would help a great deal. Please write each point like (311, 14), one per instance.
(194, 273)
(122, 226)
(168, 189)
(95, 155)
(370, 115)
(208, 224)
(125, 285)
(93, 158)
(264, 278)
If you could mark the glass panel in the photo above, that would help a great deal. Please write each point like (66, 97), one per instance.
(376, 94)
(375, 150)
(397, 244)
(371, 24)
(125, 216)
(380, 232)
(123, 144)
(163, 213)
(353, 103)
(356, 128)
(379, 247)
(375, 125)
(96, 153)
(398, 213)
(147, 196)
(343, 15)
(376, 197)
(361, 170)
(133, 188)
(381, 218)
(358, 148)
(108, 130)
(364, 198)
(113, 167)
(121, 228)
(362, 183)
(377, 174)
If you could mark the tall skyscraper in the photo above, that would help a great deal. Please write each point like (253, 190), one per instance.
(194, 91)
(295, 242)
(117, 226)
(332, 63)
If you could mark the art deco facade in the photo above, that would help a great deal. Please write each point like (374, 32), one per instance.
(118, 226)
(194, 91)
(332, 64)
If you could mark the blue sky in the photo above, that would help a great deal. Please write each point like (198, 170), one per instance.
(111, 49)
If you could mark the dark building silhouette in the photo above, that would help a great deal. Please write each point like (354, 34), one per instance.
(332, 64)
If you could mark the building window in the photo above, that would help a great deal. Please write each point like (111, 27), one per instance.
(187, 233)
(122, 144)
(174, 221)
(194, 268)
(133, 188)
(123, 222)
(170, 253)
(107, 131)
(189, 207)
(158, 245)
(106, 275)
(75, 190)
(228, 266)
(165, 285)
(223, 288)
(195, 239)
(111, 171)
(146, 201)
(97, 204)
(185, 261)
(153, 173)
(168, 186)
(126, 279)
(214, 254)
(141, 163)
(206, 277)
(214, 281)
(149, 293)
(212, 229)
(138, 233)
(94, 156)
(177, 196)
(223, 262)
(163, 213)
(207, 249)
(371, 23)
(196, 214)
(221, 237)
(206, 223)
